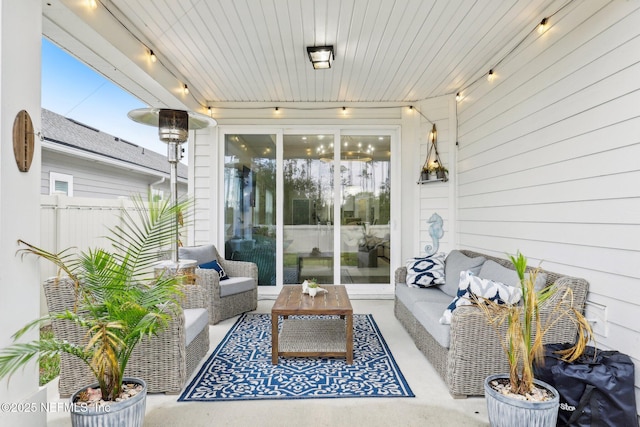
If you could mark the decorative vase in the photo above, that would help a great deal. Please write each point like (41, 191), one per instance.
(313, 291)
(506, 411)
(424, 176)
(440, 174)
(128, 412)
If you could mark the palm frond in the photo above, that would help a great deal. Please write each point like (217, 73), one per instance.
(65, 260)
(18, 355)
(118, 298)
(140, 239)
(523, 341)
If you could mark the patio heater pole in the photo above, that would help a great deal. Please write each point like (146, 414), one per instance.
(173, 129)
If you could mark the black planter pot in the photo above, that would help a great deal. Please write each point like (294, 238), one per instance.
(129, 412)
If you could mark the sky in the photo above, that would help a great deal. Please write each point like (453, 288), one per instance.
(74, 90)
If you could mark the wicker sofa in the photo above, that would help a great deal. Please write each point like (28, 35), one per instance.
(473, 351)
(227, 298)
(164, 361)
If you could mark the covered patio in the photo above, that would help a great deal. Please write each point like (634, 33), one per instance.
(538, 127)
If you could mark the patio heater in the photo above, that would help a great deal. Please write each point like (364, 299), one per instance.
(173, 129)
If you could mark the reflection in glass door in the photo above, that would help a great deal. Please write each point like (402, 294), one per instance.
(365, 191)
(315, 197)
(250, 202)
(308, 201)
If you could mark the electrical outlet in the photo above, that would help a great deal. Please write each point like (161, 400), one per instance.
(596, 314)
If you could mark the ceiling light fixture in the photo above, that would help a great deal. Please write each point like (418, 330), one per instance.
(185, 89)
(491, 75)
(321, 57)
(152, 56)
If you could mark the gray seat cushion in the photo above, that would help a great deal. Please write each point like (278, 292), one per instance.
(195, 320)
(456, 262)
(493, 271)
(202, 254)
(428, 314)
(409, 295)
(236, 285)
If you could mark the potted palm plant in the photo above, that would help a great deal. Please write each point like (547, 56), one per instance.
(119, 300)
(517, 396)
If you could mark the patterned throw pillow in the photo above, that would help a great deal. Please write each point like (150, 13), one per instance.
(425, 272)
(483, 289)
(215, 266)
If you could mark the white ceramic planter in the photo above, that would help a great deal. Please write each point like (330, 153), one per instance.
(505, 411)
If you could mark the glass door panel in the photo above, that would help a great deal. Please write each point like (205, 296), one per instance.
(250, 202)
(308, 200)
(365, 212)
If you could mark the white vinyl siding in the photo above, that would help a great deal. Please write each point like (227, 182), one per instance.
(94, 179)
(548, 159)
(435, 196)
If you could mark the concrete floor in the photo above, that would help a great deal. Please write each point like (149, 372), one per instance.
(431, 406)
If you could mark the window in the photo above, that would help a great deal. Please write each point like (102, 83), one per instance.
(60, 183)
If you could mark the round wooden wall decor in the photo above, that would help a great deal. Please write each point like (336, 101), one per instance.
(23, 140)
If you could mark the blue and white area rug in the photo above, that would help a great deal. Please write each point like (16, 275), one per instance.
(240, 368)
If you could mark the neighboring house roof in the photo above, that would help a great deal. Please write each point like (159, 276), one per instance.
(67, 132)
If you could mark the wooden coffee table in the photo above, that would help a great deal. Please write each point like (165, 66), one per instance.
(314, 336)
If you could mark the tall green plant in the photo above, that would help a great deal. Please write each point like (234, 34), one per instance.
(119, 300)
(523, 341)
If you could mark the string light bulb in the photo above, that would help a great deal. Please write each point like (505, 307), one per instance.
(185, 89)
(92, 4)
(209, 110)
(491, 75)
(542, 27)
(152, 56)
(458, 96)
(277, 109)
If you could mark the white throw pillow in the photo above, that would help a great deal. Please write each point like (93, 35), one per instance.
(483, 289)
(425, 272)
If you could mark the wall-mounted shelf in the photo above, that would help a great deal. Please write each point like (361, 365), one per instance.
(434, 165)
(430, 180)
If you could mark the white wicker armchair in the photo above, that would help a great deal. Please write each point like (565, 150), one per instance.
(164, 361)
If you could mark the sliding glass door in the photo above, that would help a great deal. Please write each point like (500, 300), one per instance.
(365, 208)
(308, 200)
(332, 193)
(250, 202)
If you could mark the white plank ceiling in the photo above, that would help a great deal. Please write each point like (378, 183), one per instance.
(385, 50)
